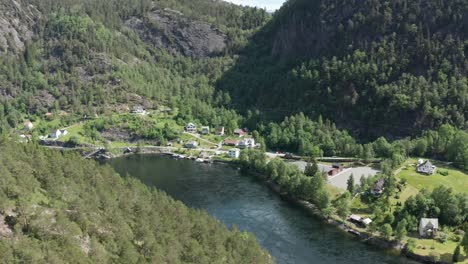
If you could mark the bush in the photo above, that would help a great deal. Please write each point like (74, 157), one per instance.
(411, 245)
(73, 141)
(456, 255)
(435, 257)
(444, 173)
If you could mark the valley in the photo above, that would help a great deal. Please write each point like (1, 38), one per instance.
(355, 110)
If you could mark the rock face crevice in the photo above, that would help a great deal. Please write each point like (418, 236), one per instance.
(179, 35)
(17, 20)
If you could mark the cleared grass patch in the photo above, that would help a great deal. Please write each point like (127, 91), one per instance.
(427, 247)
(455, 179)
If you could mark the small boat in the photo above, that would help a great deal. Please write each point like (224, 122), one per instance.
(354, 232)
(199, 160)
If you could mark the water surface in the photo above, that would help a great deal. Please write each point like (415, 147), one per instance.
(289, 233)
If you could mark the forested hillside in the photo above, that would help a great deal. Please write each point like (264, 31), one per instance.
(373, 66)
(57, 208)
(86, 57)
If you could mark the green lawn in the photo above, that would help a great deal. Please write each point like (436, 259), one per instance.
(333, 191)
(455, 179)
(445, 251)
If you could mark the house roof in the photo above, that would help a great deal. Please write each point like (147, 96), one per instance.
(379, 184)
(426, 163)
(230, 141)
(433, 221)
(366, 221)
(234, 149)
(239, 131)
(355, 217)
(27, 123)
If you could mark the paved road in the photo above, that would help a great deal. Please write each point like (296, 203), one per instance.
(197, 136)
(341, 179)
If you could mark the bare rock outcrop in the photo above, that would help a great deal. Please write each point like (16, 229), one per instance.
(17, 23)
(170, 30)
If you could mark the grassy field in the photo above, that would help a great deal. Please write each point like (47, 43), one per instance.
(455, 178)
(427, 247)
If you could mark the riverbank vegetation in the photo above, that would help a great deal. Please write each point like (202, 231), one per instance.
(88, 64)
(57, 207)
(288, 178)
(393, 219)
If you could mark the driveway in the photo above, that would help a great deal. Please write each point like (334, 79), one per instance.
(340, 179)
(302, 164)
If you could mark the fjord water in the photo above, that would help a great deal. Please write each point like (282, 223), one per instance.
(288, 232)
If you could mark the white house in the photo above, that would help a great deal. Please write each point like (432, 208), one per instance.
(205, 130)
(191, 128)
(191, 144)
(28, 125)
(64, 132)
(55, 134)
(426, 168)
(220, 131)
(234, 153)
(247, 143)
(428, 227)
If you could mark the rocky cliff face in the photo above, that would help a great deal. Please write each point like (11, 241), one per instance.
(170, 30)
(17, 21)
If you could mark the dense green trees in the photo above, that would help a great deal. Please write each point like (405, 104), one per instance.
(61, 208)
(83, 60)
(375, 67)
(451, 209)
(288, 177)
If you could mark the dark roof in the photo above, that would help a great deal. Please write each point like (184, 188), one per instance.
(337, 165)
(379, 184)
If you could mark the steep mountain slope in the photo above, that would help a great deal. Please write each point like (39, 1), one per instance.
(374, 66)
(169, 30)
(16, 24)
(92, 57)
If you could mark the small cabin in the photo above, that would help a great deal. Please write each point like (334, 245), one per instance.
(205, 130)
(428, 227)
(191, 144)
(239, 132)
(230, 142)
(220, 131)
(191, 128)
(379, 186)
(247, 143)
(426, 168)
(55, 133)
(234, 153)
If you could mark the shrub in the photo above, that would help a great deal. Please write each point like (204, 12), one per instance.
(411, 245)
(444, 173)
(435, 257)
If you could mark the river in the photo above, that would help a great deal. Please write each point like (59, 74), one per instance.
(288, 232)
